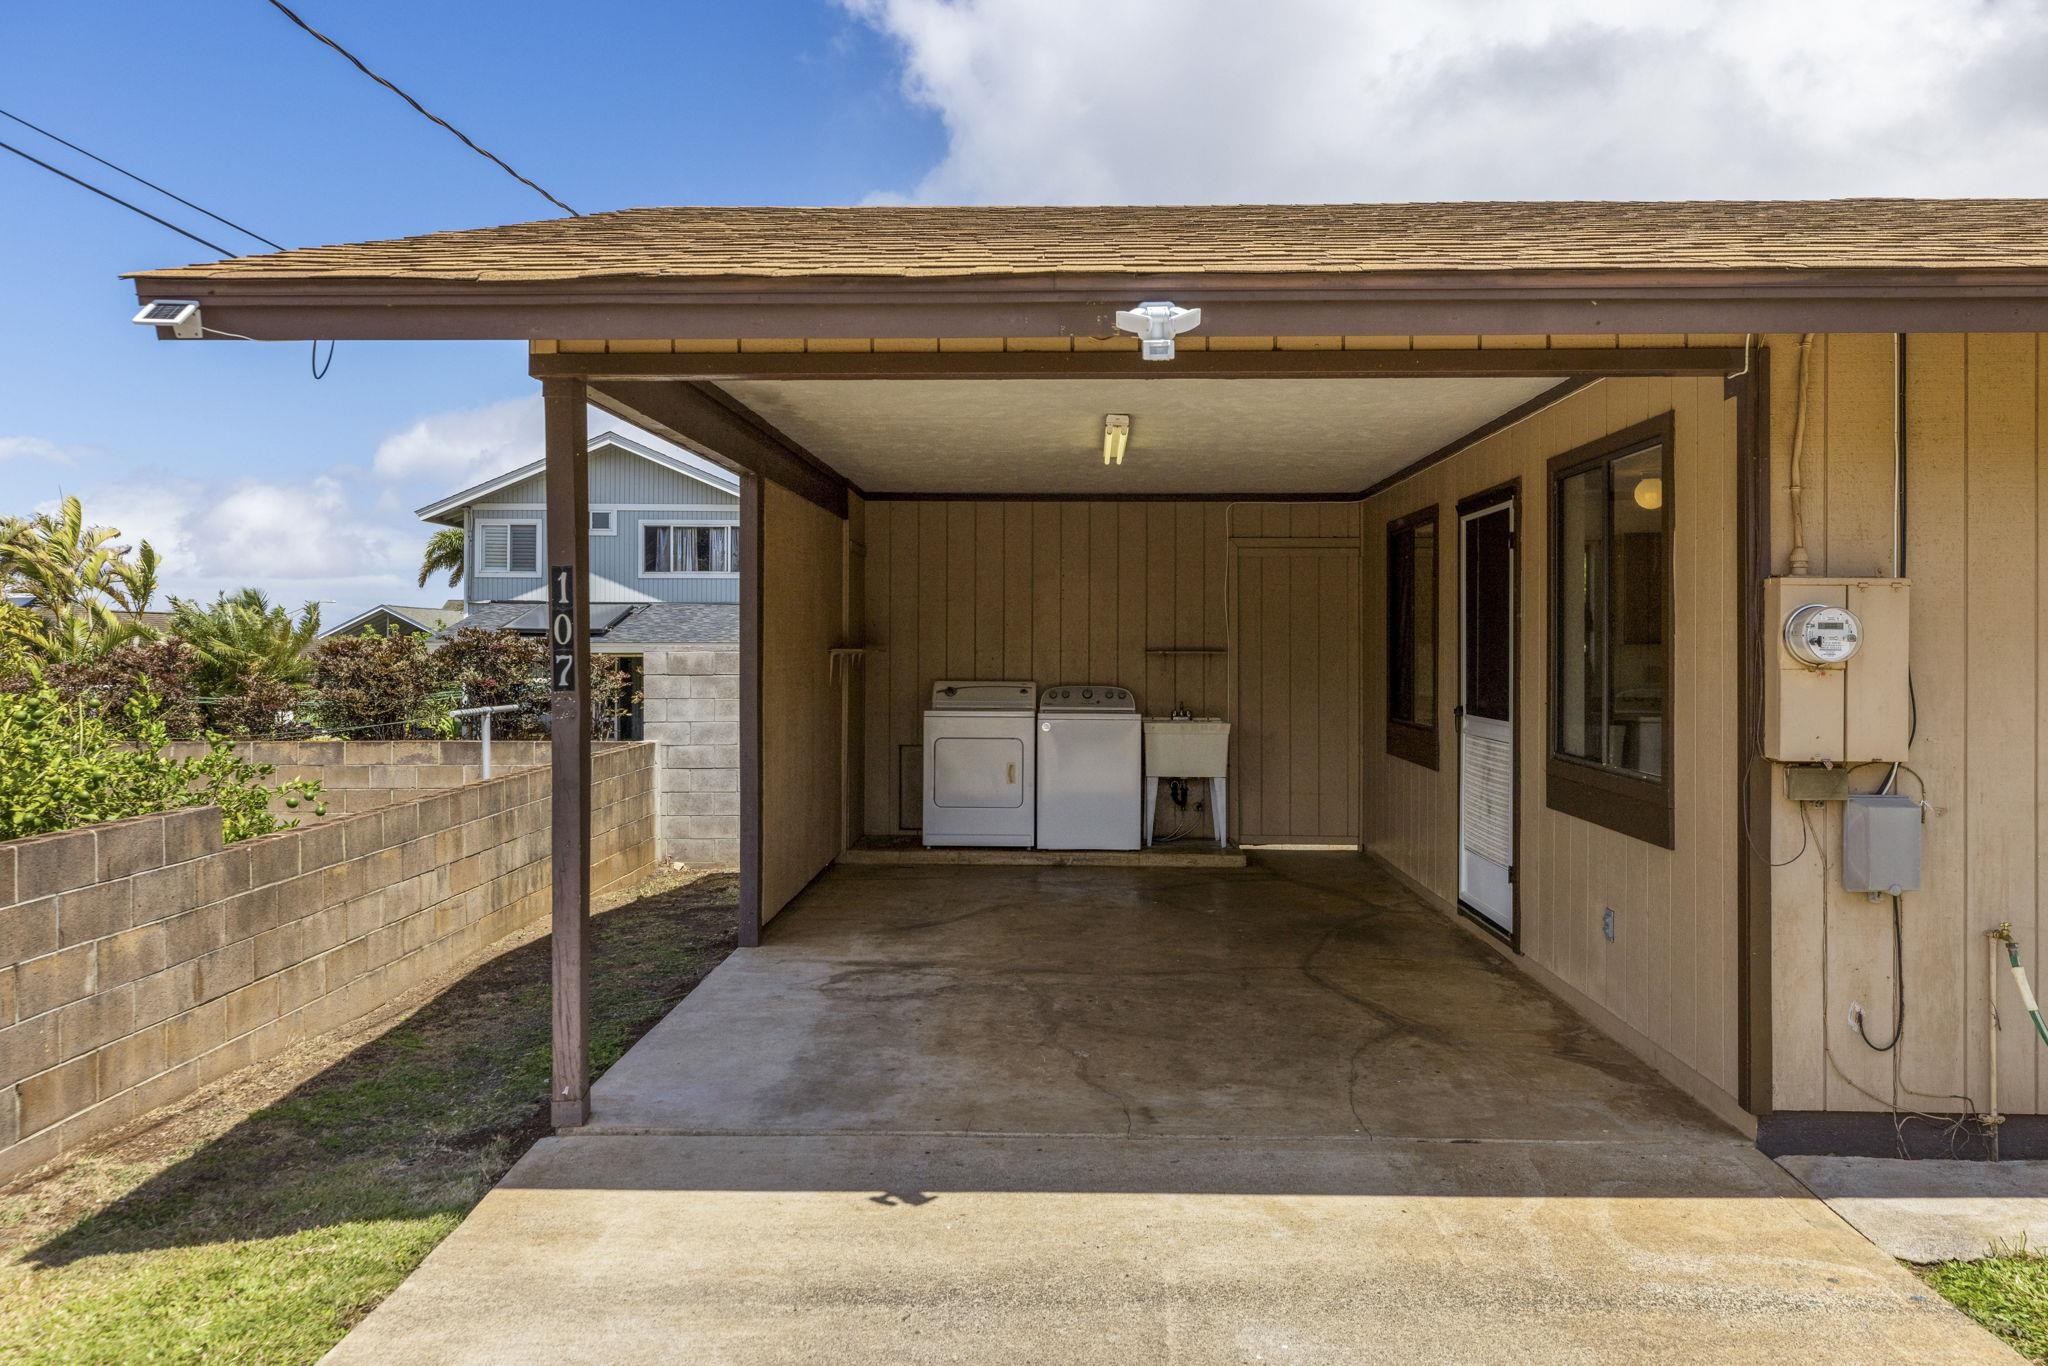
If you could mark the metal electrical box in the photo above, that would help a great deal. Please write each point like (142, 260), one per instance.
(1881, 844)
(1851, 711)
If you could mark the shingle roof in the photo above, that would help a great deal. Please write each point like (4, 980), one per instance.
(654, 623)
(899, 242)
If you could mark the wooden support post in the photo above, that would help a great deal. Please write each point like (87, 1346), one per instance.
(568, 485)
(752, 574)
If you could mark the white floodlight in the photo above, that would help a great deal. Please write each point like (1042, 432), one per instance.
(1156, 323)
(180, 315)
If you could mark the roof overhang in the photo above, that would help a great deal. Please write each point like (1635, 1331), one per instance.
(1310, 304)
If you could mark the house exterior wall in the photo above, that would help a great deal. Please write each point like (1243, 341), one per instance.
(802, 604)
(1059, 592)
(1977, 437)
(638, 491)
(803, 556)
(1666, 984)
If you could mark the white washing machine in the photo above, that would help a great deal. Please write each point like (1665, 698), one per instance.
(980, 757)
(1091, 762)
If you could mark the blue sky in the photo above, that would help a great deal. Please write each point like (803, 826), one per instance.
(243, 470)
(231, 106)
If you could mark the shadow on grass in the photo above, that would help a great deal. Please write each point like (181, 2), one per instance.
(423, 1120)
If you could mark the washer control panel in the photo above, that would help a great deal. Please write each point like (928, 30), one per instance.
(1087, 697)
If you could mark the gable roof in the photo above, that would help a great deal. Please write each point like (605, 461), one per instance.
(447, 510)
(424, 619)
(918, 241)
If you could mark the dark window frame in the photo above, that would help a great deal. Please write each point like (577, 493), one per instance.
(1412, 740)
(1627, 803)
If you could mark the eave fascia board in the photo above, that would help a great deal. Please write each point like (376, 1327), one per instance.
(1442, 303)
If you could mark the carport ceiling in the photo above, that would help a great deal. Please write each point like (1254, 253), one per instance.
(1194, 436)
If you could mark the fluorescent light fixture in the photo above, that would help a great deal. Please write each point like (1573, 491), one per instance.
(1116, 434)
(1156, 323)
(180, 315)
(1649, 494)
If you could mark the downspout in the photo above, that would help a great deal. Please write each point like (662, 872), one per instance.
(1898, 455)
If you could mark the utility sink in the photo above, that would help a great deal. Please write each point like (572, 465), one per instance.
(1199, 748)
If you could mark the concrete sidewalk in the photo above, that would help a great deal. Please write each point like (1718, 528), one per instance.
(871, 1249)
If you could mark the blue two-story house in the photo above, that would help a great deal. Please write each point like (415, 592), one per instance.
(664, 595)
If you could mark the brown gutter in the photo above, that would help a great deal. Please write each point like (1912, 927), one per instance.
(1307, 304)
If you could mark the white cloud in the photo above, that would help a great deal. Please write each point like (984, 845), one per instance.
(464, 445)
(43, 449)
(305, 540)
(343, 535)
(1162, 101)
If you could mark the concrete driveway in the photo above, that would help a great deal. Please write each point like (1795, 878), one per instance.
(1116, 1115)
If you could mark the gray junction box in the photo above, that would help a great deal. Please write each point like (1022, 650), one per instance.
(1881, 844)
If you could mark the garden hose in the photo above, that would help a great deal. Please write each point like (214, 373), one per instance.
(2019, 974)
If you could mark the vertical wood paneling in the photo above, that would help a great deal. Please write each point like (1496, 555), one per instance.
(1943, 961)
(2002, 695)
(1670, 973)
(1078, 592)
(1977, 507)
(803, 560)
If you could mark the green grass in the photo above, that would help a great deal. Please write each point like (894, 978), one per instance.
(272, 1233)
(2008, 1295)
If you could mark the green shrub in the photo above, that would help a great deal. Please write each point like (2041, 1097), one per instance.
(64, 764)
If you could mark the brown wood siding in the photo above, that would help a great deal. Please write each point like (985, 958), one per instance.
(1294, 775)
(801, 604)
(1053, 592)
(1669, 976)
(1977, 434)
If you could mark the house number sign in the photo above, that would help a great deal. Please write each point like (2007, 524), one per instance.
(562, 626)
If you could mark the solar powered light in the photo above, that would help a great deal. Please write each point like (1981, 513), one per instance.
(1156, 324)
(180, 315)
(1116, 434)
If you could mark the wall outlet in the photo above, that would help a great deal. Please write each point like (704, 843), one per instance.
(1607, 923)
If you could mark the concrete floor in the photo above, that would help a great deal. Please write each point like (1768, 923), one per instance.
(1933, 1211)
(1059, 1114)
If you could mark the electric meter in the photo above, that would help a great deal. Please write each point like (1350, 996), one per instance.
(1821, 636)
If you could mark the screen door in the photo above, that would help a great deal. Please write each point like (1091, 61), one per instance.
(1486, 694)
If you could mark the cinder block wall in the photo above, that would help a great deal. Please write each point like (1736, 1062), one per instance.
(361, 775)
(140, 959)
(692, 712)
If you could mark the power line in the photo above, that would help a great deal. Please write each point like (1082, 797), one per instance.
(424, 112)
(319, 370)
(86, 184)
(122, 170)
